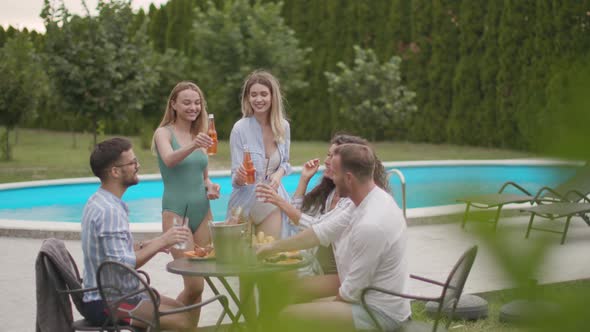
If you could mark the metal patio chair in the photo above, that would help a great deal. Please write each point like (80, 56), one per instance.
(66, 285)
(451, 292)
(118, 283)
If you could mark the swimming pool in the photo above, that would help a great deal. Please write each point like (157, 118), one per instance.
(428, 184)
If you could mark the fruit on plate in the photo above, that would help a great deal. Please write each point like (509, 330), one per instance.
(192, 254)
(201, 252)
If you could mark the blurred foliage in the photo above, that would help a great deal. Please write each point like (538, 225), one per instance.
(569, 293)
(371, 94)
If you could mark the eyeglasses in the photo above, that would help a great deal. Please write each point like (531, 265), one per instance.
(134, 162)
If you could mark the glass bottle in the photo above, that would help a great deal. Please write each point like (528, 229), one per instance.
(249, 167)
(212, 150)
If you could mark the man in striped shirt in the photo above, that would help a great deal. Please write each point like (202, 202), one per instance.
(106, 236)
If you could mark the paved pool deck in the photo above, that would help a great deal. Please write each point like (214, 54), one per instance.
(433, 249)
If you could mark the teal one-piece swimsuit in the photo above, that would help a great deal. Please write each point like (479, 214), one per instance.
(184, 186)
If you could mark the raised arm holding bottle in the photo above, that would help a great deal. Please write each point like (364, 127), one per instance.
(181, 143)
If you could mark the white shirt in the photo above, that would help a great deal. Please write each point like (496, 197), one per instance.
(341, 212)
(370, 250)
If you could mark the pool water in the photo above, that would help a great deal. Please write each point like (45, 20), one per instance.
(426, 186)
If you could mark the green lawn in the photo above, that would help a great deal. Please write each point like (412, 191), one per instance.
(42, 154)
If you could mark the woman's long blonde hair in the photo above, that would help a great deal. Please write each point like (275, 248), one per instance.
(277, 111)
(199, 125)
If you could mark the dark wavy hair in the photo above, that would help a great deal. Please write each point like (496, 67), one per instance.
(106, 153)
(316, 198)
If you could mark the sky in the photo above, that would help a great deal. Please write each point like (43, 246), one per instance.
(25, 13)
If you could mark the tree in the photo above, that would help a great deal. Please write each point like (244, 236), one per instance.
(139, 20)
(2, 36)
(180, 14)
(100, 66)
(539, 52)
(561, 79)
(441, 69)
(371, 94)
(171, 67)
(11, 32)
(514, 24)
(158, 20)
(22, 85)
(565, 125)
(396, 31)
(232, 41)
(318, 29)
(417, 65)
(488, 70)
(463, 126)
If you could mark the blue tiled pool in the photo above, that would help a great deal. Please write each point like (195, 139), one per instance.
(426, 186)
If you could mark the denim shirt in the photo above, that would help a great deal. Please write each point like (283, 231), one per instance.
(247, 132)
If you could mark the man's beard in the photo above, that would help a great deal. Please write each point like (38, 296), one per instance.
(132, 182)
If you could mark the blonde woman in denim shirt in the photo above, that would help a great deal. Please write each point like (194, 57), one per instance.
(264, 130)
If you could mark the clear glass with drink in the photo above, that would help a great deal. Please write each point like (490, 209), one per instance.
(212, 150)
(179, 222)
(266, 181)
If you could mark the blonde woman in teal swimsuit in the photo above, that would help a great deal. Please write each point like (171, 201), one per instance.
(180, 143)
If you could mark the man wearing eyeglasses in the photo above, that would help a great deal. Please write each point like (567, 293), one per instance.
(106, 236)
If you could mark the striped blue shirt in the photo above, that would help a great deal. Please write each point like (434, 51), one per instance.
(105, 236)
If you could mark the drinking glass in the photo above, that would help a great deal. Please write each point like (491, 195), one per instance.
(180, 222)
(266, 180)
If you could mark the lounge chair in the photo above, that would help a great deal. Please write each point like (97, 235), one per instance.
(568, 191)
(564, 209)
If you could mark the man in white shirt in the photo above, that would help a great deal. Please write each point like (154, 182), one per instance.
(369, 247)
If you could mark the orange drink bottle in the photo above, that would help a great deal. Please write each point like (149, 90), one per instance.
(212, 150)
(249, 166)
